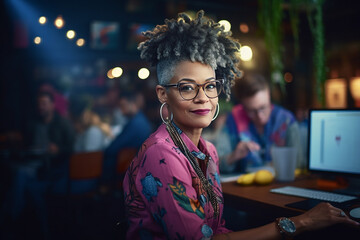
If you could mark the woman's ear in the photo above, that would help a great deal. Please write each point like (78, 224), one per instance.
(161, 93)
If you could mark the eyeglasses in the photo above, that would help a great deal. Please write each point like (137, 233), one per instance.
(189, 90)
(260, 110)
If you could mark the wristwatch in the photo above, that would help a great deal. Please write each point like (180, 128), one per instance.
(286, 227)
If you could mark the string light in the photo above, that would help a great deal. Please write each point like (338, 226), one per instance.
(70, 34)
(246, 53)
(244, 28)
(117, 72)
(80, 42)
(42, 20)
(59, 22)
(226, 24)
(37, 40)
(143, 73)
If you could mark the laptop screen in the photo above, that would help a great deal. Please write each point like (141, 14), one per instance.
(334, 141)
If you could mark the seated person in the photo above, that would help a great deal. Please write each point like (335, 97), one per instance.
(50, 132)
(52, 135)
(253, 126)
(92, 134)
(134, 133)
(172, 188)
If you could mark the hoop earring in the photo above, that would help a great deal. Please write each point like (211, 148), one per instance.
(161, 116)
(217, 112)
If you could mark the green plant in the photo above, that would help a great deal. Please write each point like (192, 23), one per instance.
(270, 17)
(315, 18)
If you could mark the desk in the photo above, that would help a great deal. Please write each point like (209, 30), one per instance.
(263, 207)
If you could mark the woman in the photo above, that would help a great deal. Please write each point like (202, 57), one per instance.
(172, 188)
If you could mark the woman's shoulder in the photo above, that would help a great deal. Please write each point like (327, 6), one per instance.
(157, 143)
(160, 138)
(159, 148)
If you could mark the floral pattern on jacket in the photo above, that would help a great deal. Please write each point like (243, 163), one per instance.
(163, 194)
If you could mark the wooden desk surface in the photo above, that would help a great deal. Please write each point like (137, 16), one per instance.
(263, 206)
(261, 195)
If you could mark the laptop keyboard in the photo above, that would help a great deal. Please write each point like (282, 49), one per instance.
(313, 194)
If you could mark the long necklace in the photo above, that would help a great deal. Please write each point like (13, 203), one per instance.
(175, 136)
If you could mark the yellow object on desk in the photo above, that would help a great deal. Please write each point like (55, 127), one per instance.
(263, 177)
(260, 177)
(246, 179)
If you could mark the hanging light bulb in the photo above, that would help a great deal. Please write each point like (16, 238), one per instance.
(70, 34)
(37, 40)
(143, 73)
(246, 53)
(59, 22)
(226, 24)
(42, 20)
(117, 72)
(80, 42)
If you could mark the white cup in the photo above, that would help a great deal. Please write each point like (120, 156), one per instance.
(284, 162)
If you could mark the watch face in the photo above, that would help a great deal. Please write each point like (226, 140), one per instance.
(287, 225)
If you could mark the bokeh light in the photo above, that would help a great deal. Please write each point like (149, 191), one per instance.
(226, 24)
(288, 77)
(80, 42)
(144, 73)
(37, 40)
(70, 34)
(244, 28)
(246, 53)
(59, 22)
(42, 20)
(109, 74)
(117, 72)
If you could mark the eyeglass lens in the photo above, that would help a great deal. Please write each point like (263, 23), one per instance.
(190, 90)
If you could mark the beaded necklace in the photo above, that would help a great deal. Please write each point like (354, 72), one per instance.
(179, 142)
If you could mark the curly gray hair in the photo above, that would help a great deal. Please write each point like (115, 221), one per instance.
(199, 40)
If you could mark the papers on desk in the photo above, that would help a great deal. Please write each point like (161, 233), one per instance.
(230, 177)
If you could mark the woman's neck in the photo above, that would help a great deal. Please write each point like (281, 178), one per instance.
(193, 134)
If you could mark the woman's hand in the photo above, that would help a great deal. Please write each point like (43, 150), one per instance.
(323, 215)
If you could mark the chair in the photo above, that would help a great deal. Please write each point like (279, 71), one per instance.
(86, 165)
(124, 159)
(85, 170)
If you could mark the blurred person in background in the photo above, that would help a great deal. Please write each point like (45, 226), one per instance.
(50, 139)
(134, 133)
(50, 132)
(117, 118)
(92, 134)
(253, 126)
(60, 102)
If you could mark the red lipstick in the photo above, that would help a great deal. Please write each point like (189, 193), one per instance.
(201, 111)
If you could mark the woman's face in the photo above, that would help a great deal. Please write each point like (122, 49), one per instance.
(198, 112)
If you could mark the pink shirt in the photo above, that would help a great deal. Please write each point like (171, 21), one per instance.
(162, 194)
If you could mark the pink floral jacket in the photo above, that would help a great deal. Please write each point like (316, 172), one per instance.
(162, 194)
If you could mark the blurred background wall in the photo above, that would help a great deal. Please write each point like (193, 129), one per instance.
(34, 51)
